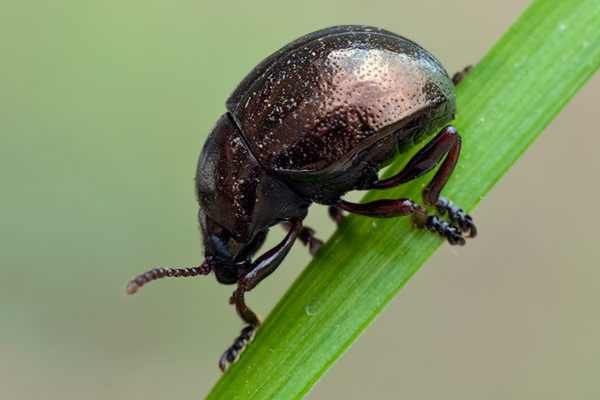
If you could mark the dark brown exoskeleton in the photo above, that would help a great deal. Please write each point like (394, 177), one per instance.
(316, 119)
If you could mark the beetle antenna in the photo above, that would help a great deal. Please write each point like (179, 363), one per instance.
(157, 273)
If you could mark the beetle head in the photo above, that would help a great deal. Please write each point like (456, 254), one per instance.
(238, 200)
(224, 249)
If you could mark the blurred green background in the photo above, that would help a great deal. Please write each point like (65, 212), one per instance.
(104, 107)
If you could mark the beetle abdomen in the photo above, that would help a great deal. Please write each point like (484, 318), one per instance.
(329, 96)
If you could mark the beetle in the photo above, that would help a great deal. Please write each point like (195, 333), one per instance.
(313, 121)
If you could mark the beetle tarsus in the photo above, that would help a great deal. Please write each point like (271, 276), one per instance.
(456, 214)
(336, 214)
(460, 75)
(308, 238)
(239, 344)
(452, 233)
(246, 335)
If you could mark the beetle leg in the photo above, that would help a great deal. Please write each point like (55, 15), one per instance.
(259, 270)
(445, 145)
(460, 75)
(336, 214)
(389, 208)
(247, 333)
(307, 237)
(431, 192)
(457, 216)
(270, 260)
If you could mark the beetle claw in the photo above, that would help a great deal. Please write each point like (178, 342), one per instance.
(314, 246)
(307, 237)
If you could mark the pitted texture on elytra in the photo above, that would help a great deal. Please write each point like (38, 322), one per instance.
(318, 105)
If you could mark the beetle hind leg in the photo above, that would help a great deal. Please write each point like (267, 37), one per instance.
(431, 192)
(445, 146)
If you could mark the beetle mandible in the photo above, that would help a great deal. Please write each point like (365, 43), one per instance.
(316, 119)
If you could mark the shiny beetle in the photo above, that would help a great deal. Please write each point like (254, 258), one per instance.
(316, 119)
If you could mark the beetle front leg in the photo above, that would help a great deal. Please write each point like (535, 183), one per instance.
(247, 333)
(446, 145)
(258, 270)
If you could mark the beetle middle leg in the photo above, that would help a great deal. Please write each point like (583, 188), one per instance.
(446, 145)
(307, 237)
(388, 208)
(254, 274)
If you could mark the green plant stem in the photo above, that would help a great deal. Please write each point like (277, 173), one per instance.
(504, 104)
